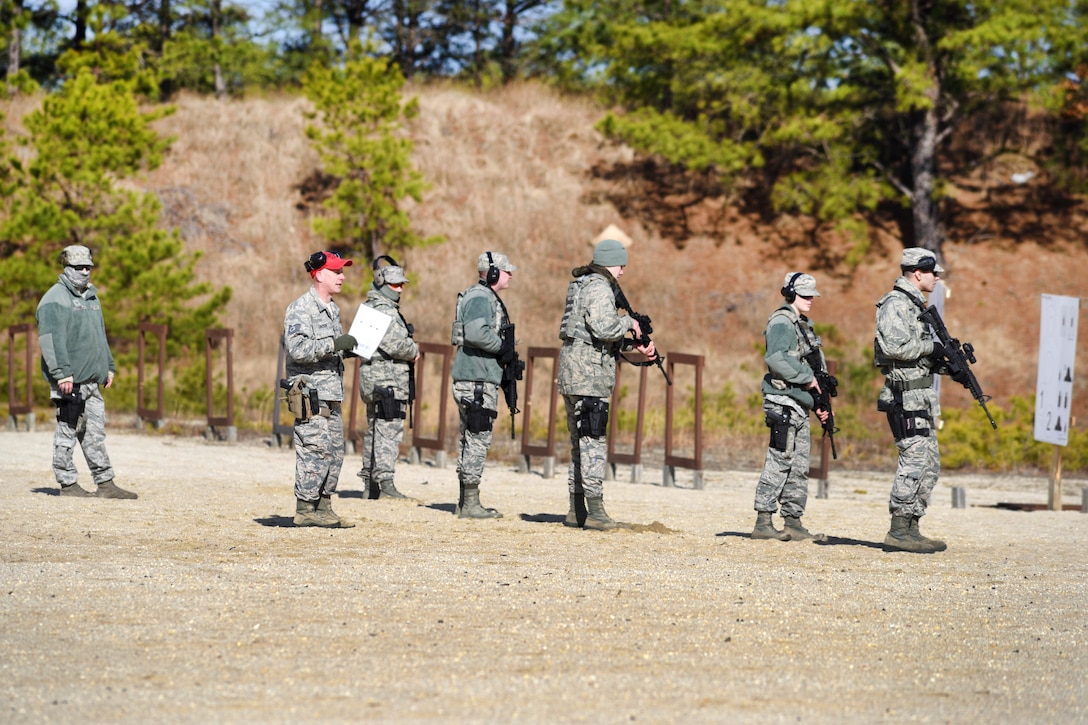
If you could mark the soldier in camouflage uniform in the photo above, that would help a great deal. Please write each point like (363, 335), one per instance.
(787, 401)
(909, 357)
(316, 344)
(384, 384)
(477, 371)
(76, 360)
(593, 334)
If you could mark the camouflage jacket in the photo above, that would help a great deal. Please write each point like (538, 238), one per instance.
(790, 337)
(902, 348)
(389, 365)
(479, 320)
(592, 332)
(309, 329)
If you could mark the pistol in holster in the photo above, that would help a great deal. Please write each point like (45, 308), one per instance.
(387, 407)
(592, 417)
(779, 423)
(302, 399)
(70, 407)
(478, 419)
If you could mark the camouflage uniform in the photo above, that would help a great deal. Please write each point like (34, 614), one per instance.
(74, 350)
(904, 344)
(784, 481)
(385, 375)
(592, 331)
(476, 372)
(310, 328)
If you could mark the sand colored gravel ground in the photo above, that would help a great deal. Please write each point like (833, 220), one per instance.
(200, 603)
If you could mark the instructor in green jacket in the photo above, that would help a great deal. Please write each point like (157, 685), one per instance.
(76, 360)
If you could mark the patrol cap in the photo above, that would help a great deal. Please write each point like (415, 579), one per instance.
(393, 274)
(610, 253)
(920, 258)
(76, 255)
(494, 259)
(802, 285)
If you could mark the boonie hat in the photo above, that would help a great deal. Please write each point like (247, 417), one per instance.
(920, 258)
(76, 255)
(494, 259)
(802, 285)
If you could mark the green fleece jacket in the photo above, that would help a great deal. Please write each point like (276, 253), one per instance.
(72, 335)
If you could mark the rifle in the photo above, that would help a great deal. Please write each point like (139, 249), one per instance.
(958, 359)
(647, 328)
(411, 376)
(829, 388)
(512, 369)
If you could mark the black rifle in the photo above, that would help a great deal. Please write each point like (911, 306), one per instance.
(829, 388)
(512, 369)
(958, 359)
(411, 376)
(646, 326)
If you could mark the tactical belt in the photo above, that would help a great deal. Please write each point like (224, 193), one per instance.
(899, 386)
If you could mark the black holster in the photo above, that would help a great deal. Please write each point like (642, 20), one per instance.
(478, 419)
(902, 422)
(779, 423)
(387, 407)
(70, 407)
(592, 418)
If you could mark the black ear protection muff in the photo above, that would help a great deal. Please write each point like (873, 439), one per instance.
(788, 291)
(317, 260)
(379, 272)
(492, 271)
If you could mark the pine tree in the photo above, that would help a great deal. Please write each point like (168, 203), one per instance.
(83, 141)
(359, 137)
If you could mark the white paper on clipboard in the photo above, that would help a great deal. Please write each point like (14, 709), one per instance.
(368, 328)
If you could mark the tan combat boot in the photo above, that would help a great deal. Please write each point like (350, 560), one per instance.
(764, 528)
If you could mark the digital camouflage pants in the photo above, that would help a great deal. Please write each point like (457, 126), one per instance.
(474, 446)
(588, 454)
(319, 454)
(381, 446)
(90, 433)
(784, 481)
(915, 475)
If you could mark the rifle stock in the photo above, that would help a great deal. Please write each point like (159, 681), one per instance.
(958, 357)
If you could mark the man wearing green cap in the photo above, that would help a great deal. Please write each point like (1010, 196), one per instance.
(76, 360)
(593, 334)
(909, 357)
(787, 399)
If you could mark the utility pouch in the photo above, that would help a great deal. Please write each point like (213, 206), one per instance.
(70, 407)
(779, 423)
(387, 407)
(457, 334)
(592, 418)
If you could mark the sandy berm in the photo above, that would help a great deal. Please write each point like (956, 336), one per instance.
(201, 603)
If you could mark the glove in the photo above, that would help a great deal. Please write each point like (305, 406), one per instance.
(939, 353)
(344, 342)
(960, 375)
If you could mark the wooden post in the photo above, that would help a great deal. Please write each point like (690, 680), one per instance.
(1054, 494)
